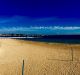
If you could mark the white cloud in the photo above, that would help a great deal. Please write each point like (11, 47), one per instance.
(57, 27)
(66, 28)
(45, 30)
(5, 29)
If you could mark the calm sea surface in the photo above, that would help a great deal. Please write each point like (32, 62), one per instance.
(52, 40)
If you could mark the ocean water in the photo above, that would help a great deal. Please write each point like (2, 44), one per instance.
(54, 40)
(71, 39)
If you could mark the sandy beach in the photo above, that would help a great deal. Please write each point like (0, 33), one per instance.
(39, 58)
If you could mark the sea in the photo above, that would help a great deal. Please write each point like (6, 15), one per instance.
(68, 39)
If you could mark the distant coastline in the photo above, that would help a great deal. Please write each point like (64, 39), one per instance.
(73, 39)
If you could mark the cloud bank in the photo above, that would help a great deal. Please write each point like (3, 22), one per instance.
(26, 25)
(42, 30)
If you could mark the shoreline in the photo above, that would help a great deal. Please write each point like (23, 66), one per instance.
(45, 40)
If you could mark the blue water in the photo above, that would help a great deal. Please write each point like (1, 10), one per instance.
(53, 40)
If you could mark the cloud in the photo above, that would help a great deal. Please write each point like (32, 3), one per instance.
(41, 30)
(66, 28)
(57, 27)
(40, 27)
(21, 28)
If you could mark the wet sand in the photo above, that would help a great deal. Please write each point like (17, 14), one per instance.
(39, 58)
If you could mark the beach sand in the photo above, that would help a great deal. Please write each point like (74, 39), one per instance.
(39, 58)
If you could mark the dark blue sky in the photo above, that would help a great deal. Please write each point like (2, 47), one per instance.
(41, 8)
(17, 15)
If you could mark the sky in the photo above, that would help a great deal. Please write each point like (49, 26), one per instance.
(40, 8)
(18, 15)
